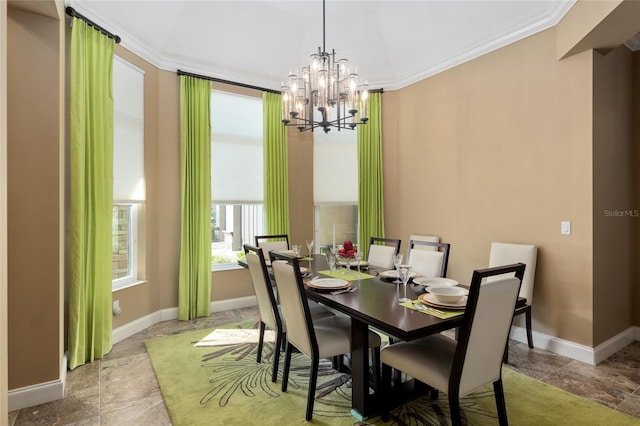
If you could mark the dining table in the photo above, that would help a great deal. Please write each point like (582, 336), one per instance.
(374, 304)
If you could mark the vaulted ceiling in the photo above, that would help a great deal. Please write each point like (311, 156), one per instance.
(393, 43)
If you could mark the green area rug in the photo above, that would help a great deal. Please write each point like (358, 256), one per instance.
(224, 385)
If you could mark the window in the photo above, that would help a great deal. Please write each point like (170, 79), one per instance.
(128, 170)
(335, 183)
(236, 175)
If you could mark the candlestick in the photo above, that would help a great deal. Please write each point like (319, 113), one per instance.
(334, 237)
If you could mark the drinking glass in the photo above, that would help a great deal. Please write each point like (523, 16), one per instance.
(331, 260)
(405, 274)
(297, 250)
(358, 260)
(310, 246)
(397, 260)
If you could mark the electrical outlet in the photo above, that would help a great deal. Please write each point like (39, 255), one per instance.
(116, 308)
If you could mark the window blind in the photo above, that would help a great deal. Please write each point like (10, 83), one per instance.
(237, 165)
(128, 132)
(335, 167)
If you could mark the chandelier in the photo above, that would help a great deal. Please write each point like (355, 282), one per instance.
(331, 86)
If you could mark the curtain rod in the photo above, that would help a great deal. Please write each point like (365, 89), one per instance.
(74, 13)
(233, 83)
(247, 86)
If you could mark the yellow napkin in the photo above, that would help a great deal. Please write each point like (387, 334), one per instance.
(346, 275)
(436, 312)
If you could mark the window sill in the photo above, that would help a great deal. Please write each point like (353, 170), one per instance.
(127, 285)
(225, 267)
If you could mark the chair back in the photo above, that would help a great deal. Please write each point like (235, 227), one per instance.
(293, 303)
(508, 253)
(262, 286)
(429, 263)
(382, 250)
(427, 238)
(272, 242)
(483, 336)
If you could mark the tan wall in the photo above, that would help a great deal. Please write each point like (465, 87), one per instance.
(612, 192)
(35, 128)
(635, 249)
(4, 384)
(499, 149)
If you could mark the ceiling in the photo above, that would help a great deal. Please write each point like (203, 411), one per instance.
(393, 43)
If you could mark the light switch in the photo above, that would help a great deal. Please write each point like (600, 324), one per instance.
(565, 228)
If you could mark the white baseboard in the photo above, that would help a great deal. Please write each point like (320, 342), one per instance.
(577, 351)
(129, 329)
(41, 393)
(237, 303)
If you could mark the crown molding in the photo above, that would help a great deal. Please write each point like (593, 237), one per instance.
(633, 43)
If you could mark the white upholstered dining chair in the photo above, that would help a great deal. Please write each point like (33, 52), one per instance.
(429, 263)
(272, 242)
(270, 315)
(382, 250)
(457, 368)
(324, 338)
(507, 253)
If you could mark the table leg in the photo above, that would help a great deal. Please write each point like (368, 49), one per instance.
(359, 369)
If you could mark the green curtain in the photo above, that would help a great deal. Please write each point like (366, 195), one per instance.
(276, 170)
(370, 178)
(194, 293)
(91, 186)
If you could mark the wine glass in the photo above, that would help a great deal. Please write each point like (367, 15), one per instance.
(358, 257)
(397, 260)
(405, 274)
(346, 260)
(310, 246)
(296, 250)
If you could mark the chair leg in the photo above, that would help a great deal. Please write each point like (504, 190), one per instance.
(527, 315)
(385, 394)
(375, 360)
(276, 356)
(500, 403)
(454, 405)
(260, 342)
(287, 364)
(505, 356)
(311, 395)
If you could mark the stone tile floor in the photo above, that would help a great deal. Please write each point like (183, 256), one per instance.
(121, 389)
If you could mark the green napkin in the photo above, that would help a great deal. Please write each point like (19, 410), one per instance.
(346, 275)
(436, 312)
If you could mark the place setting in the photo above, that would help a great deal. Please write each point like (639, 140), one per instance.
(441, 302)
(333, 285)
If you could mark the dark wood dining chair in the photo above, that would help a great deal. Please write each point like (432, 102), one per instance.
(324, 338)
(457, 368)
(270, 315)
(431, 262)
(382, 250)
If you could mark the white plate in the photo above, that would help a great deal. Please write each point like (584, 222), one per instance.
(433, 281)
(430, 299)
(394, 274)
(329, 283)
